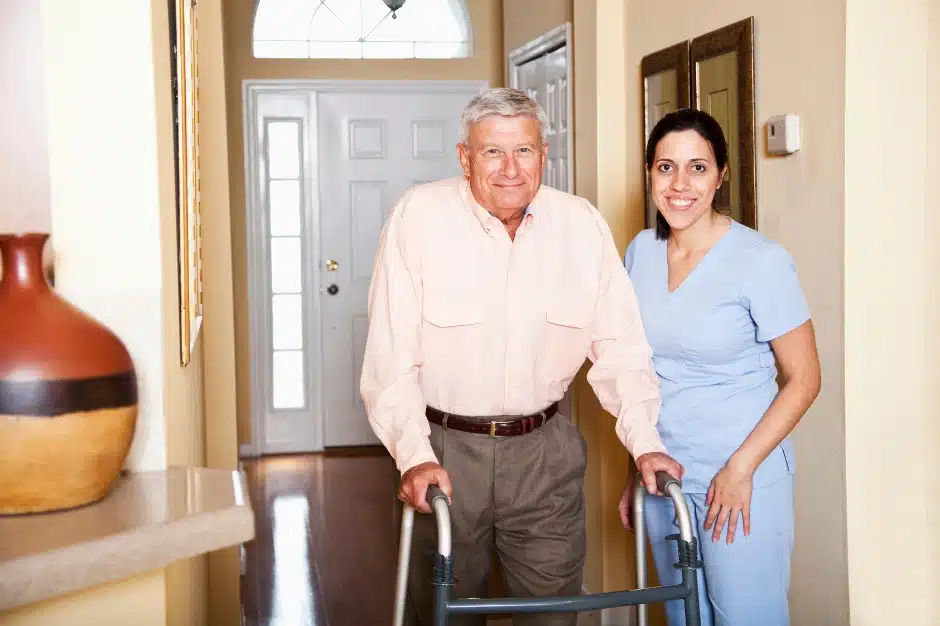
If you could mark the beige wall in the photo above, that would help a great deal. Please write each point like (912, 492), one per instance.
(600, 156)
(486, 64)
(891, 293)
(524, 20)
(24, 161)
(932, 270)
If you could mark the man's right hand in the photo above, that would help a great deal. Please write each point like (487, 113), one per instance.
(414, 485)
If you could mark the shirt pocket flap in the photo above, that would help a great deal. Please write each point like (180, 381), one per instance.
(571, 309)
(454, 308)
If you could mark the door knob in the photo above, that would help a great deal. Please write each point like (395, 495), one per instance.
(332, 290)
(331, 265)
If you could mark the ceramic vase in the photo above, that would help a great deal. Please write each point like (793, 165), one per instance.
(68, 392)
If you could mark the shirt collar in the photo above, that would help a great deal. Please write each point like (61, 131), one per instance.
(483, 216)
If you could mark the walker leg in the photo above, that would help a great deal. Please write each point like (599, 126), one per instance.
(692, 617)
(404, 556)
(443, 583)
(639, 533)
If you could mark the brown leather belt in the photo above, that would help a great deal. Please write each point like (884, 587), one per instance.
(494, 428)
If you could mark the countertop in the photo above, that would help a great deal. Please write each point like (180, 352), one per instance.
(148, 520)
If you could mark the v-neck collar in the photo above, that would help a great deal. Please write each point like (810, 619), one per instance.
(664, 278)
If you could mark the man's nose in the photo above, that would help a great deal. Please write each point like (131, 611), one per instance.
(510, 167)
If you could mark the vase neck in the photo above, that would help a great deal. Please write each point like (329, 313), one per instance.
(22, 262)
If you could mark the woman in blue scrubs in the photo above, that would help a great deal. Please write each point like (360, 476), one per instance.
(722, 308)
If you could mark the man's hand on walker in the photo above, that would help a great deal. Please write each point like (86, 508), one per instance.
(647, 464)
(651, 462)
(415, 482)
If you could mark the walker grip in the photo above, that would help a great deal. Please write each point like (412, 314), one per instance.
(663, 480)
(435, 492)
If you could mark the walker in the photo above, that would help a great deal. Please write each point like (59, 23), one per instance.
(443, 580)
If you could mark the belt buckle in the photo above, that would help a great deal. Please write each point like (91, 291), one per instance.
(492, 429)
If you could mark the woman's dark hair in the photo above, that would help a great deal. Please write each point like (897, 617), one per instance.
(686, 119)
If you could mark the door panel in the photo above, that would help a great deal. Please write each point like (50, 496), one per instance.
(372, 148)
(545, 79)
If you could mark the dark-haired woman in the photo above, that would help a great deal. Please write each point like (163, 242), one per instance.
(722, 307)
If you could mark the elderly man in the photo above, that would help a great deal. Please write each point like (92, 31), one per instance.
(488, 294)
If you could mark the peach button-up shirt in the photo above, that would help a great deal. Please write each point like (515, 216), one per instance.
(464, 319)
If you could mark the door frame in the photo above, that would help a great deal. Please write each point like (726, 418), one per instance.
(253, 90)
(542, 45)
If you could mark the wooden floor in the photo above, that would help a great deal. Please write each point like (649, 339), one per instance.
(325, 551)
(326, 546)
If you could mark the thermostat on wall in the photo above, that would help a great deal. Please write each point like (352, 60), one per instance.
(783, 134)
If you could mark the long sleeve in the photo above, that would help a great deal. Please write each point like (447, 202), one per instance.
(622, 373)
(389, 384)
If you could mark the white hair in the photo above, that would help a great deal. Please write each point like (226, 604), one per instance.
(500, 101)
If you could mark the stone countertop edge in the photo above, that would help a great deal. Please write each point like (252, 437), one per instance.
(32, 578)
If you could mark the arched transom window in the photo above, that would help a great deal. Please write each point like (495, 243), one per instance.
(361, 29)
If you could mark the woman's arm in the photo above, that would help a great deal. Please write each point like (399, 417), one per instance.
(730, 491)
(799, 364)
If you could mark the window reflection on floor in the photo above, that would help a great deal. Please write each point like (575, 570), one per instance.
(325, 551)
(292, 599)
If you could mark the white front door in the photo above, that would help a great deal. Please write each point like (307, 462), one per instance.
(372, 148)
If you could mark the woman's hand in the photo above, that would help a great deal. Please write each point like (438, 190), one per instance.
(728, 496)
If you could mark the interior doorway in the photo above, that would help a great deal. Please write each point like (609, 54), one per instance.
(325, 160)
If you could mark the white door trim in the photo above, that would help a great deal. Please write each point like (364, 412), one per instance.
(543, 44)
(256, 241)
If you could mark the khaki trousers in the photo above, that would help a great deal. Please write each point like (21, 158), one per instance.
(523, 495)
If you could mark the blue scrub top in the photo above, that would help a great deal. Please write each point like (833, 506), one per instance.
(710, 339)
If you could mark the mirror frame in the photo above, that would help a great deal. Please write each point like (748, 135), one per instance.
(675, 57)
(738, 38)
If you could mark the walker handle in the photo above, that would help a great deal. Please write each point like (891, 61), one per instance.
(440, 506)
(663, 480)
(434, 492)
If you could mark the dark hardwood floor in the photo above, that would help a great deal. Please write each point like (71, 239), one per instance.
(326, 546)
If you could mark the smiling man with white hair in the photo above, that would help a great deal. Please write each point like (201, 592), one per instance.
(489, 292)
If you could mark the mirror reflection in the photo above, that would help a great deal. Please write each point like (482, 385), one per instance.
(716, 93)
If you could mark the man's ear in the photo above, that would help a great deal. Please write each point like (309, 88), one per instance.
(463, 154)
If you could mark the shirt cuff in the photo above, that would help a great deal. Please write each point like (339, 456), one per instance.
(412, 450)
(638, 435)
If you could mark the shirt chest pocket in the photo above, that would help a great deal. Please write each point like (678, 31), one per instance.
(453, 296)
(571, 296)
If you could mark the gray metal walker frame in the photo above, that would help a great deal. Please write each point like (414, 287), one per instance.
(443, 580)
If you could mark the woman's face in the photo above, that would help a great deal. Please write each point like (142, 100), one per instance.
(684, 178)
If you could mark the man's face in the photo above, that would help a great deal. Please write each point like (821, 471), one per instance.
(503, 161)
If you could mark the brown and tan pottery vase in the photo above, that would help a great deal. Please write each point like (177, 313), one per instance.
(68, 392)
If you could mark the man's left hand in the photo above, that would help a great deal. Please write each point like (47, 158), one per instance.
(651, 462)
(728, 496)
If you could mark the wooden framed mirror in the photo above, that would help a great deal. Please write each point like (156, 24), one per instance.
(722, 80)
(665, 75)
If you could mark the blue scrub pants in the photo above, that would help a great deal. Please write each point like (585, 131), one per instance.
(742, 584)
